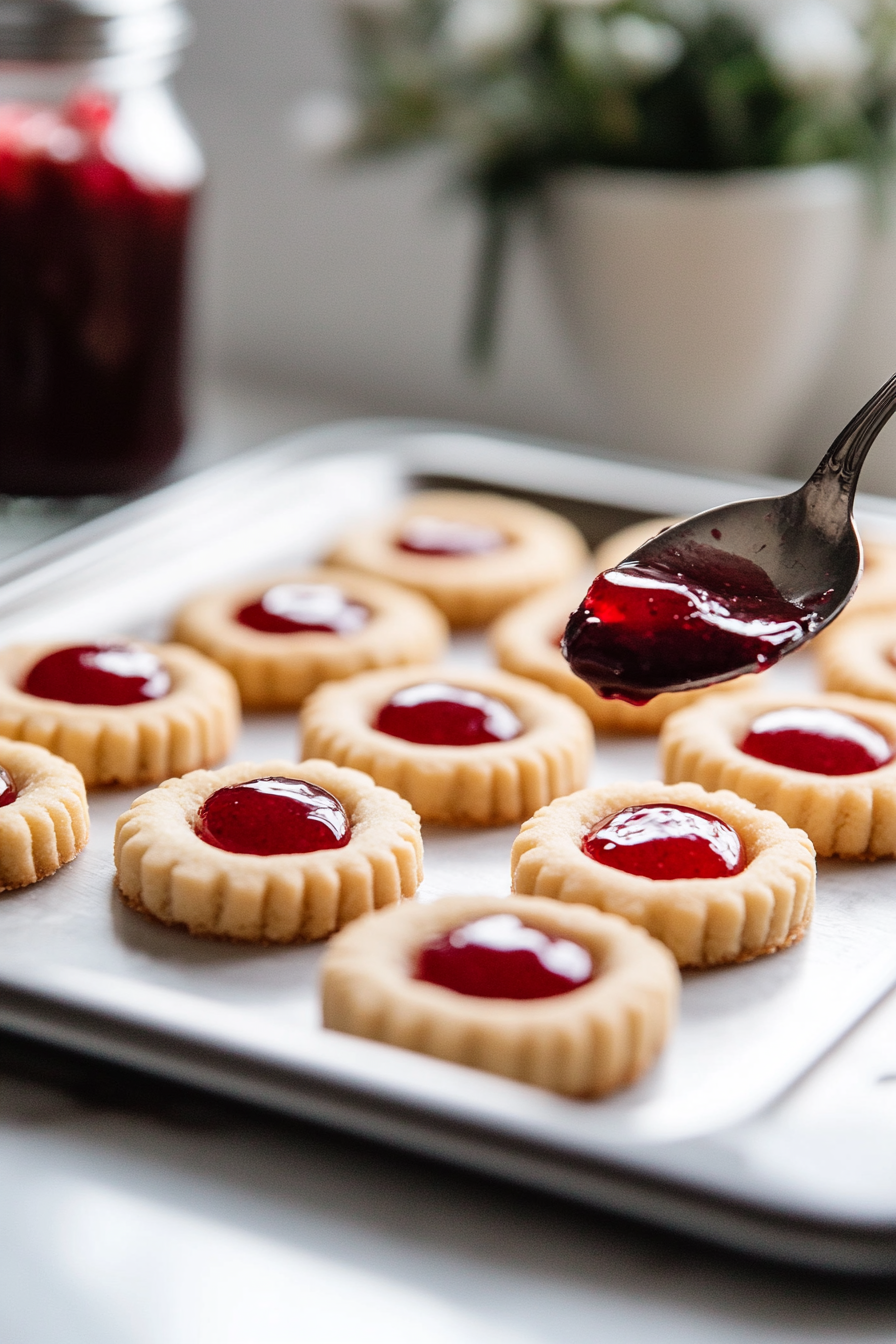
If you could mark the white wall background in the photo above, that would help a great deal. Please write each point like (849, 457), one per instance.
(352, 283)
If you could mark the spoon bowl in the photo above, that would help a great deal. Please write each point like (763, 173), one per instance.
(753, 581)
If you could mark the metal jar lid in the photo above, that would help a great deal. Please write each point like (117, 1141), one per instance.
(87, 30)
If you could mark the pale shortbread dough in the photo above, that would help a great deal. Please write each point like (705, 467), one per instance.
(165, 870)
(277, 671)
(851, 816)
(703, 921)
(876, 591)
(47, 824)
(491, 784)
(857, 656)
(586, 1043)
(195, 724)
(542, 549)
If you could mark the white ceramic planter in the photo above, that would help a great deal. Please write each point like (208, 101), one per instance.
(704, 307)
(863, 358)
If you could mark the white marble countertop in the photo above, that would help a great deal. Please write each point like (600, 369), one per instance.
(134, 1213)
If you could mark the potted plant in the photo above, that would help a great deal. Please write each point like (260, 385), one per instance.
(699, 172)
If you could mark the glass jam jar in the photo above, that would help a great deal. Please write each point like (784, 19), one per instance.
(98, 176)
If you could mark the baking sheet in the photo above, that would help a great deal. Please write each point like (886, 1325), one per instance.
(746, 1032)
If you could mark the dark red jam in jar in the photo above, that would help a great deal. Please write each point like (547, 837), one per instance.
(297, 608)
(664, 840)
(8, 791)
(273, 816)
(645, 629)
(500, 957)
(438, 715)
(817, 739)
(93, 231)
(99, 674)
(424, 535)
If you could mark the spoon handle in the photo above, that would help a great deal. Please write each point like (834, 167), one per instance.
(837, 474)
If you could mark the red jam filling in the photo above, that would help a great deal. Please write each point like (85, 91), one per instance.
(91, 295)
(295, 608)
(273, 816)
(643, 629)
(437, 715)
(813, 738)
(99, 674)
(424, 535)
(8, 791)
(662, 840)
(499, 957)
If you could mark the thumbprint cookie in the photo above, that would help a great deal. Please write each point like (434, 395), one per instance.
(271, 852)
(710, 875)
(858, 656)
(281, 637)
(122, 711)
(824, 763)
(466, 748)
(563, 997)
(473, 555)
(43, 813)
(876, 592)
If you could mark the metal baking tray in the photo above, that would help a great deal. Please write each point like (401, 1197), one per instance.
(697, 1145)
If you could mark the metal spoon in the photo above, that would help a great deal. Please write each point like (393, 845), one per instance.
(806, 542)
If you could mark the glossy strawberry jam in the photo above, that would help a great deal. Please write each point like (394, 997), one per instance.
(8, 791)
(817, 739)
(274, 815)
(438, 715)
(664, 840)
(296, 608)
(425, 535)
(99, 674)
(500, 957)
(711, 615)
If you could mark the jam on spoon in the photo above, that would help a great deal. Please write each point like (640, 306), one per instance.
(817, 739)
(99, 674)
(731, 590)
(292, 608)
(500, 957)
(438, 715)
(8, 791)
(645, 627)
(666, 841)
(274, 815)
(426, 535)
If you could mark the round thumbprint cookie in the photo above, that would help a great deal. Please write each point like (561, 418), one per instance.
(466, 748)
(122, 711)
(268, 852)
(709, 874)
(43, 813)
(282, 636)
(858, 656)
(473, 555)
(562, 997)
(825, 763)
